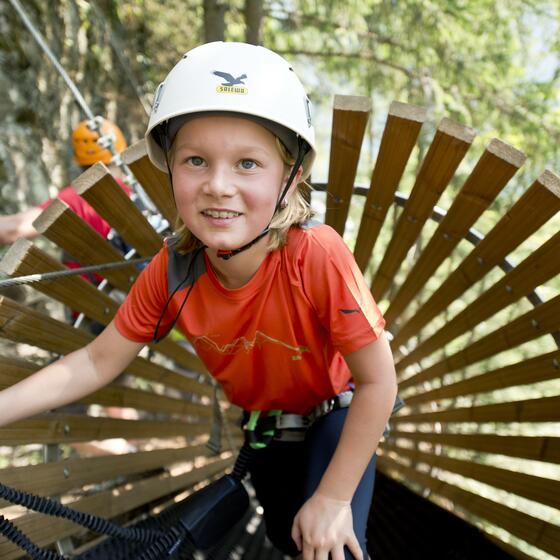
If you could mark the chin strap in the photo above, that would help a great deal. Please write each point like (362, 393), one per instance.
(226, 254)
(303, 148)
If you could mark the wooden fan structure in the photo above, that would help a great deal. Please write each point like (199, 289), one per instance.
(455, 447)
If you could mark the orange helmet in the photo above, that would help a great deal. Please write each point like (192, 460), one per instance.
(86, 149)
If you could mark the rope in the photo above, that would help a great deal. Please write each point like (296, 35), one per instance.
(42, 43)
(21, 540)
(92, 522)
(44, 276)
(94, 122)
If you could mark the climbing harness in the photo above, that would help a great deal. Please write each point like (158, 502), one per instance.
(260, 429)
(259, 439)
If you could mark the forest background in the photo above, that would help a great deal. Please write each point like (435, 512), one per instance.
(490, 64)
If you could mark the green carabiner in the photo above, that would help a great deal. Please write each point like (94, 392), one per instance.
(254, 441)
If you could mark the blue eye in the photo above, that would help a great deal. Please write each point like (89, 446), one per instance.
(195, 161)
(247, 164)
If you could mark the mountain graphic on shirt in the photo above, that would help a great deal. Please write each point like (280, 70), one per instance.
(243, 344)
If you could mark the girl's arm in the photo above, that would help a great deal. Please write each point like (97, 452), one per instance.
(76, 375)
(373, 371)
(324, 523)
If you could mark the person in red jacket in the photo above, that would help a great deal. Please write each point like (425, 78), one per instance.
(87, 151)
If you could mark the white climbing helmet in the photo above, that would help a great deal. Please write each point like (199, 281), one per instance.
(224, 77)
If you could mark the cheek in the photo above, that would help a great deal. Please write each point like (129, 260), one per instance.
(182, 192)
(260, 199)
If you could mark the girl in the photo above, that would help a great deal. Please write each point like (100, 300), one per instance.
(273, 303)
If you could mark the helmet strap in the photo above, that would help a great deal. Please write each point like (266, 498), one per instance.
(163, 132)
(303, 148)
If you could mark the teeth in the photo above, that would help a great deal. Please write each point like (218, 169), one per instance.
(221, 214)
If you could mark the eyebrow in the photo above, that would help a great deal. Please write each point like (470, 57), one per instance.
(243, 148)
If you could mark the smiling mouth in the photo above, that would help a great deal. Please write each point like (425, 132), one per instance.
(220, 214)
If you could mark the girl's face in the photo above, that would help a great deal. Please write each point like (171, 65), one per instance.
(227, 177)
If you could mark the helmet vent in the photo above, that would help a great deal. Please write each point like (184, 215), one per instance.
(157, 97)
(307, 105)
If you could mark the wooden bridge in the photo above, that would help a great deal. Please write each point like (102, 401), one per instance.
(470, 470)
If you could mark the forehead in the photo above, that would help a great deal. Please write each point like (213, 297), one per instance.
(231, 128)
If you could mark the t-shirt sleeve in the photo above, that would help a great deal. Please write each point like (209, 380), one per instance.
(336, 288)
(138, 315)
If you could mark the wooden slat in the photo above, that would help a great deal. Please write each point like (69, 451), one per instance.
(537, 205)
(510, 549)
(115, 395)
(546, 409)
(99, 188)
(64, 228)
(540, 368)
(399, 138)
(67, 428)
(13, 370)
(533, 324)
(350, 116)
(539, 489)
(536, 448)
(46, 530)
(60, 477)
(537, 532)
(495, 168)
(21, 324)
(155, 182)
(446, 152)
(539, 267)
(25, 258)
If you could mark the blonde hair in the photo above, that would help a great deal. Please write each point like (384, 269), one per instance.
(296, 212)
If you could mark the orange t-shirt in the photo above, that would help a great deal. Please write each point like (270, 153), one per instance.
(277, 342)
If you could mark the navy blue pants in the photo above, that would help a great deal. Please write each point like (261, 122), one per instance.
(285, 475)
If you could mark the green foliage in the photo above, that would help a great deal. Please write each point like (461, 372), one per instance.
(477, 62)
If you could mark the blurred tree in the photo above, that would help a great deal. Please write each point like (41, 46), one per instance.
(253, 21)
(38, 112)
(491, 64)
(214, 23)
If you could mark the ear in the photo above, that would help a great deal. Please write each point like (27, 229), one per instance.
(295, 182)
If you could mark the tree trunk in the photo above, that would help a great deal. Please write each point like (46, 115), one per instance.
(214, 24)
(38, 111)
(253, 21)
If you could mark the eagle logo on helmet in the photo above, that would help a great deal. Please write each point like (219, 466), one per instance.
(231, 84)
(230, 80)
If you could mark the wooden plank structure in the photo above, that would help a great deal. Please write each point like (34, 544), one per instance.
(469, 470)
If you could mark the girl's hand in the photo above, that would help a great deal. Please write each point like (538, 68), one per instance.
(323, 525)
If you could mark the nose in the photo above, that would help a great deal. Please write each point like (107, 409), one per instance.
(219, 182)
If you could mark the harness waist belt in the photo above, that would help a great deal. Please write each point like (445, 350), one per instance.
(299, 422)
